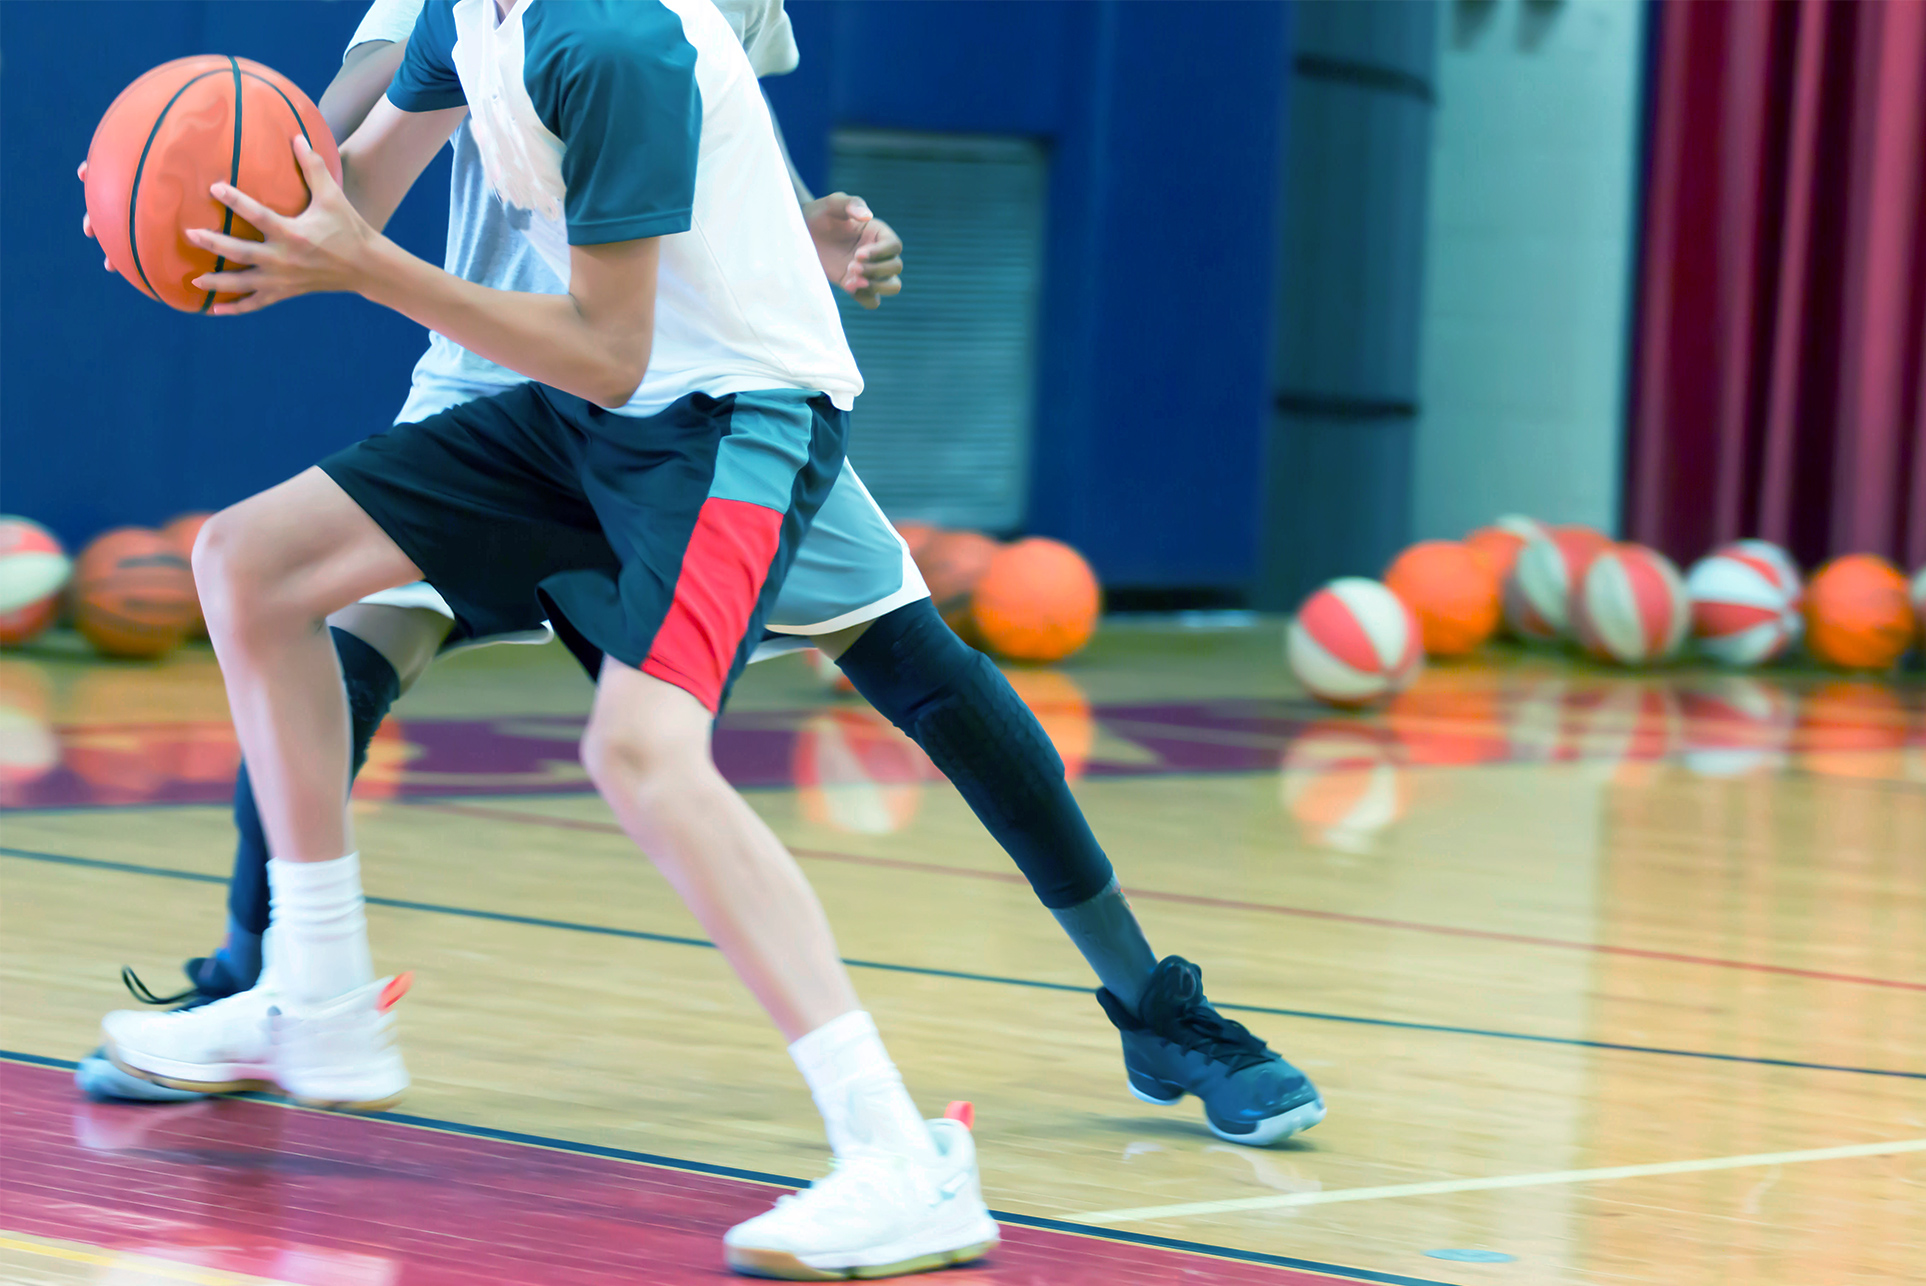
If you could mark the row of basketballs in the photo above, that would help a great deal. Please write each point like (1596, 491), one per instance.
(130, 593)
(1743, 604)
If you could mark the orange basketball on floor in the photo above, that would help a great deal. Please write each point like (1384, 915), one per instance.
(1451, 590)
(183, 531)
(952, 562)
(179, 128)
(1498, 547)
(1857, 615)
(917, 535)
(1038, 601)
(134, 593)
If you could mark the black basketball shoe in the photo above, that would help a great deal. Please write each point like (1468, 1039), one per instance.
(1179, 1045)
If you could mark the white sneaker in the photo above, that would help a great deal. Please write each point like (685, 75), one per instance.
(340, 1054)
(877, 1214)
(223, 1047)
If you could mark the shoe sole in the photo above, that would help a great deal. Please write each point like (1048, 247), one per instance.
(783, 1266)
(1272, 1129)
(247, 1085)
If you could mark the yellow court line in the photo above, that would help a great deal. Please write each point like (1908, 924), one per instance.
(1280, 1199)
(146, 1264)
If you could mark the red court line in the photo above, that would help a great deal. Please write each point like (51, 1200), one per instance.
(1229, 904)
(322, 1199)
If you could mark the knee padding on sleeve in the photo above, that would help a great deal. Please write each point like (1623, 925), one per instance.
(960, 709)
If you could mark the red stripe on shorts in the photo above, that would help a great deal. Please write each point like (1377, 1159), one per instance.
(721, 578)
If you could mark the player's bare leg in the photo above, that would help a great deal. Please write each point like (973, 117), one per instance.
(904, 1195)
(270, 570)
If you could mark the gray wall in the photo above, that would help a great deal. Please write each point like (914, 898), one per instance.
(1528, 263)
(1345, 366)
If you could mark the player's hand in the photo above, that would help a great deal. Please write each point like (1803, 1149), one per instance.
(87, 223)
(859, 252)
(322, 248)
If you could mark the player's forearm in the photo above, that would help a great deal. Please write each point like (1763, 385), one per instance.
(544, 337)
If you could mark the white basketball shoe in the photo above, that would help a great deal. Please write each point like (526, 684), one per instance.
(877, 1214)
(340, 1054)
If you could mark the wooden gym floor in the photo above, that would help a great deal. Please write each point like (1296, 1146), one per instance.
(1606, 979)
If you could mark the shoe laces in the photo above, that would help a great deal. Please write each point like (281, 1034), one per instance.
(1181, 1015)
(1220, 1039)
(192, 998)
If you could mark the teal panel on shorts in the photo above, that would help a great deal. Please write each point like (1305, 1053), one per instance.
(851, 559)
(768, 442)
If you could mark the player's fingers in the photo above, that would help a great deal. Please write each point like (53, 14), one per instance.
(81, 173)
(86, 225)
(880, 269)
(313, 168)
(873, 295)
(248, 208)
(252, 302)
(228, 283)
(234, 249)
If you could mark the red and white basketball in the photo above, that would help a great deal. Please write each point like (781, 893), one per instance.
(1631, 607)
(1343, 784)
(1354, 641)
(33, 570)
(1524, 528)
(1919, 600)
(1737, 726)
(1745, 602)
(1538, 593)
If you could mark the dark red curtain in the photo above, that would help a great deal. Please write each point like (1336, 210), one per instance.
(1779, 368)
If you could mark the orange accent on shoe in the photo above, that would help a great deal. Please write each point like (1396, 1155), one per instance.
(397, 988)
(963, 1112)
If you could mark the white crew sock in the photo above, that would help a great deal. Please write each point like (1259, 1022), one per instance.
(320, 928)
(858, 1090)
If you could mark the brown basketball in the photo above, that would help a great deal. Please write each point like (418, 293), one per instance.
(183, 531)
(952, 562)
(134, 593)
(179, 128)
(1037, 601)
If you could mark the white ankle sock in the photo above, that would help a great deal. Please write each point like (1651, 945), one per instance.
(858, 1090)
(320, 928)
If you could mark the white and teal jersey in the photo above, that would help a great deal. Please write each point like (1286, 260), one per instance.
(608, 120)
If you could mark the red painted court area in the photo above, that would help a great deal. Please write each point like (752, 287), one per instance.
(318, 1199)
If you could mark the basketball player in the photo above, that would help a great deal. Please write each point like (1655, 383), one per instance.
(849, 569)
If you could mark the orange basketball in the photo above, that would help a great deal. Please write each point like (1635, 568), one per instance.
(1451, 590)
(1038, 601)
(952, 562)
(183, 531)
(917, 535)
(1498, 547)
(134, 593)
(1857, 615)
(181, 127)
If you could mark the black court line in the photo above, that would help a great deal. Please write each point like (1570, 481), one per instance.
(785, 1181)
(884, 966)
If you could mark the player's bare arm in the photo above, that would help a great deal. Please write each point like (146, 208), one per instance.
(366, 71)
(593, 342)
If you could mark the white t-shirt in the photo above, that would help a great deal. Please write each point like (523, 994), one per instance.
(484, 244)
(609, 120)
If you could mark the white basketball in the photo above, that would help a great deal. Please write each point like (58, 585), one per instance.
(1745, 602)
(1524, 528)
(1353, 641)
(1631, 607)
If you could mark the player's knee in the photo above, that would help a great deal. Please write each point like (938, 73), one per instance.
(623, 757)
(222, 572)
